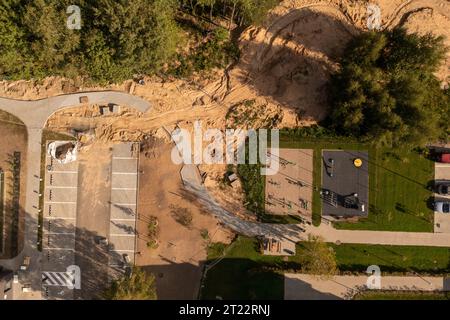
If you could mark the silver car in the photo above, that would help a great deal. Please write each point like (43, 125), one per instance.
(442, 206)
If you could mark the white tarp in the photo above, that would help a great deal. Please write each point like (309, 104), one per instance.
(63, 151)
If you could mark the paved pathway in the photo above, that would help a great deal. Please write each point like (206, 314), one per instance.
(34, 115)
(308, 287)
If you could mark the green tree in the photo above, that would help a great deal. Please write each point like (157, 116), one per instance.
(317, 258)
(386, 90)
(138, 286)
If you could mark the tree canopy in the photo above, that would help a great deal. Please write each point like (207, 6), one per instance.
(386, 90)
(317, 258)
(118, 38)
(138, 286)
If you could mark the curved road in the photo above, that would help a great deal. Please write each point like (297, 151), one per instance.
(34, 115)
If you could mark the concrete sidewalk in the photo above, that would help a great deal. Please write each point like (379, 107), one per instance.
(309, 287)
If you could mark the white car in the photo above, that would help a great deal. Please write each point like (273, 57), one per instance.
(442, 206)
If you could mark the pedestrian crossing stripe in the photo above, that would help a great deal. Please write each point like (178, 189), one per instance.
(58, 279)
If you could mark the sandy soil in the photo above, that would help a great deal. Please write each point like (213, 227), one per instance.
(14, 139)
(177, 262)
(289, 192)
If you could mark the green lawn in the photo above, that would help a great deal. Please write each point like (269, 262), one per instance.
(398, 193)
(357, 257)
(399, 295)
(243, 273)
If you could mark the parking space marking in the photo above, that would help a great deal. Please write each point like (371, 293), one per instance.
(62, 218)
(60, 187)
(130, 189)
(70, 172)
(124, 158)
(118, 219)
(123, 250)
(126, 173)
(63, 202)
(60, 233)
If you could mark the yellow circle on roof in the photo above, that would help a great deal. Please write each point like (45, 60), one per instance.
(358, 163)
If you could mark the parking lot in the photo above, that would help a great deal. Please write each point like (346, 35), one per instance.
(441, 220)
(289, 192)
(345, 183)
(124, 183)
(59, 227)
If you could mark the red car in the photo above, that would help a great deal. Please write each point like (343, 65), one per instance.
(444, 158)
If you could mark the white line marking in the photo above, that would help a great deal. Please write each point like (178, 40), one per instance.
(60, 233)
(70, 172)
(124, 204)
(60, 249)
(126, 173)
(123, 250)
(62, 218)
(61, 202)
(123, 219)
(124, 158)
(60, 187)
(129, 189)
(121, 235)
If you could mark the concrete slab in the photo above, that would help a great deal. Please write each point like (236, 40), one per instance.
(441, 222)
(60, 210)
(58, 226)
(124, 166)
(60, 195)
(442, 171)
(59, 241)
(122, 228)
(125, 243)
(57, 260)
(55, 180)
(123, 212)
(124, 182)
(123, 197)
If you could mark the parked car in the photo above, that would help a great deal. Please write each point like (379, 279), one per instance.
(442, 186)
(442, 206)
(444, 158)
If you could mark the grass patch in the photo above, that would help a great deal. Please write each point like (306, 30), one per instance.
(357, 257)
(46, 136)
(401, 295)
(398, 193)
(243, 273)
